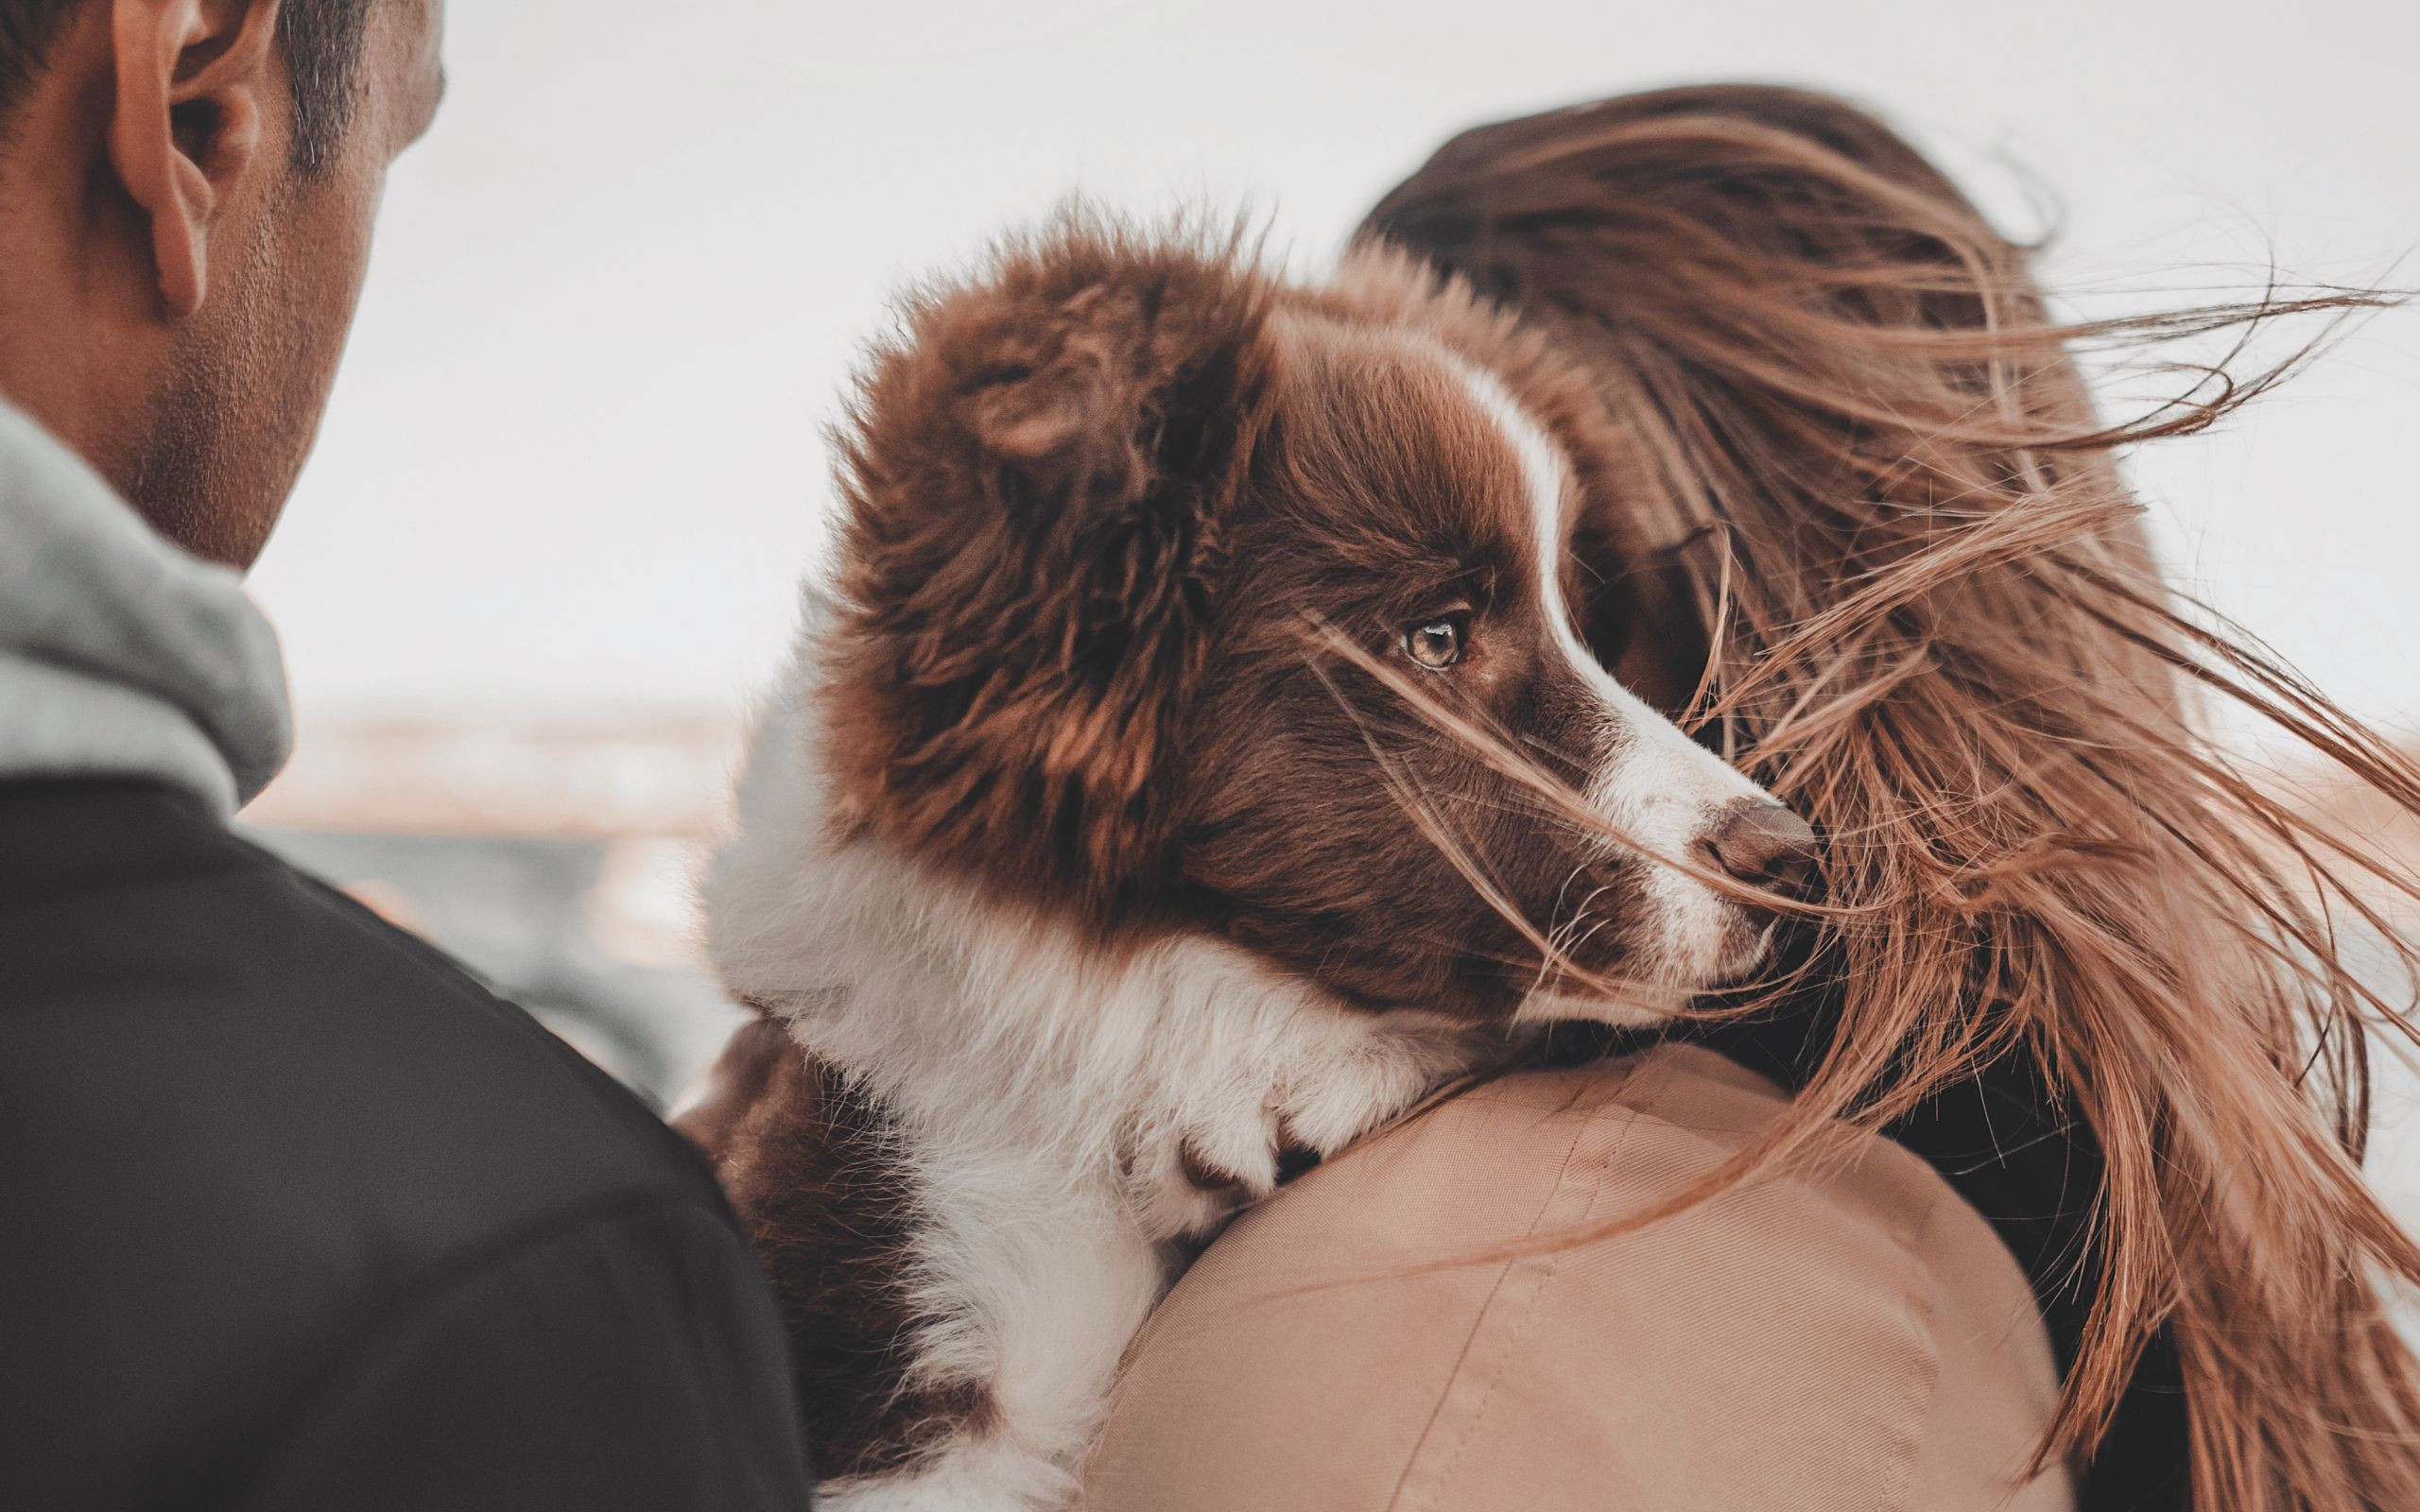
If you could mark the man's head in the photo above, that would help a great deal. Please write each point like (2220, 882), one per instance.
(186, 193)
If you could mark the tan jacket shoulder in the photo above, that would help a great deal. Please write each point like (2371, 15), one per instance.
(1852, 1337)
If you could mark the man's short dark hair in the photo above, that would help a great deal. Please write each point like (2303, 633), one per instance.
(320, 39)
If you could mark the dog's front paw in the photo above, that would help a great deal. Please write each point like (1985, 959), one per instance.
(1195, 1177)
(1228, 1152)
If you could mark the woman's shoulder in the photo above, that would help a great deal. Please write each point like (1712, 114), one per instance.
(1849, 1333)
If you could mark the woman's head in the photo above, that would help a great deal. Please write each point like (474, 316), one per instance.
(1880, 549)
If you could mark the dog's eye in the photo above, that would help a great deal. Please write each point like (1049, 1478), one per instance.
(1437, 644)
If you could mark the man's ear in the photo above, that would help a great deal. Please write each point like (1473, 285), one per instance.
(1040, 477)
(185, 124)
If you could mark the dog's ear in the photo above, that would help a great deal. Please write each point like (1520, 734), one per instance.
(1038, 477)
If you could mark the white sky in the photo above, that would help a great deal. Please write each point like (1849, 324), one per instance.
(574, 463)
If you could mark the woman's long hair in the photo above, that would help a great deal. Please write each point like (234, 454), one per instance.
(1893, 524)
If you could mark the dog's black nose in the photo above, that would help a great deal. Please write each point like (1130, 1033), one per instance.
(1766, 846)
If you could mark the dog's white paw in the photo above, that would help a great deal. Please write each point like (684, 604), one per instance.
(1194, 1177)
(1234, 1145)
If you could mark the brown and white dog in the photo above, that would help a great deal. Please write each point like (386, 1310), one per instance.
(1138, 811)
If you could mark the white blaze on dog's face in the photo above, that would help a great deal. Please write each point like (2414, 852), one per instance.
(1109, 514)
(1658, 786)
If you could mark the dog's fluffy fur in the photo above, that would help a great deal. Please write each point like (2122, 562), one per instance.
(1120, 826)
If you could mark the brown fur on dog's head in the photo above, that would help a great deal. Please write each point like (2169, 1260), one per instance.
(1039, 477)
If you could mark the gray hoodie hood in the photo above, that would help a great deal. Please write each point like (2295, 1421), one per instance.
(120, 655)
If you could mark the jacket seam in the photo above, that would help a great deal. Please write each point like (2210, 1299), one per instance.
(1898, 1474)
(1488, 1310)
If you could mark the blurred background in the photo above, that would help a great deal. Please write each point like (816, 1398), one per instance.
(552, 536)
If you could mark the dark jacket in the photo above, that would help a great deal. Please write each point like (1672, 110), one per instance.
(293, 1214)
